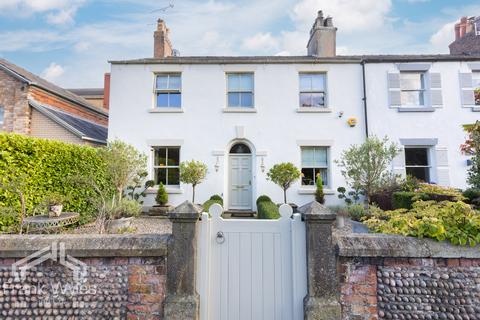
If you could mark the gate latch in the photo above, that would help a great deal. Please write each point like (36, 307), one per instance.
(220, 237)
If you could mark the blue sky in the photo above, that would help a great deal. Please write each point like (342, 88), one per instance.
(70, 41)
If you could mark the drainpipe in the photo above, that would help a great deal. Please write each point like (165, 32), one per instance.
(365, 109)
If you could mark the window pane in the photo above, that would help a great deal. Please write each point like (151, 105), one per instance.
(173, 156)
(318, 100)
(162, 82)
(305, 100)
(173, 176)
(2, 112)
(476, 87)
(318, 82)
(411, 81)
(320, 156)
(233, 82)
(308, 176)
(307, 157)
(420, 173)
(246, 99)
(412, 98)
(246, 82)
(234, 99)
(175, 82)
(175, 100)
(305, 82)
(161, 176)
(162, 100)
(416, 156)
(160, 157)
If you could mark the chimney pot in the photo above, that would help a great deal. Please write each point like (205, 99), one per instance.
(162, 47)
(323, 36)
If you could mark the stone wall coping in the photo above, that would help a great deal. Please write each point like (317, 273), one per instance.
(382, 245)
(87, 245)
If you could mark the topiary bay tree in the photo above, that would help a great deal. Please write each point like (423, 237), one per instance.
(193, 172)
(284, 175)
(365, 166)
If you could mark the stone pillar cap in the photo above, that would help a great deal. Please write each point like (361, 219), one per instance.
(186, 211)
(316, 211)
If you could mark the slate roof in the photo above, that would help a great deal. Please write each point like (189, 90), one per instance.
(83, 129)
(89, 92)
(468, 44)
(37, 81)
(298, 59)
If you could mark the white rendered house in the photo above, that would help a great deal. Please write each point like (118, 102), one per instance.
(242, 115)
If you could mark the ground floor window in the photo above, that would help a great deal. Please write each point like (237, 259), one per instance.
(166, 165)
(417, 163)
(314, 163)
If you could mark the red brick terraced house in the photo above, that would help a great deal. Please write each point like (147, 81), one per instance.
(33, 106)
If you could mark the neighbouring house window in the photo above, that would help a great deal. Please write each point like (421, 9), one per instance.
(412, 86)
(2, 114)
(166, 165)
(417, 163)
(168, 90)
(476, 87)
(240, 90)
(312, 90)
(314, 162)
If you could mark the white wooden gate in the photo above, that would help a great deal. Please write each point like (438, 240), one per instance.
(251, 269)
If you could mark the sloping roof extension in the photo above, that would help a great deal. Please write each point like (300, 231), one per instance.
(85, 130)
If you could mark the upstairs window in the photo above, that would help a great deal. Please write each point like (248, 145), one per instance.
(314, 163)
(412, 88)
(240, 90)
(417, 163)
(168, 90)
(166, 166)
(312, 90)
(476, 87)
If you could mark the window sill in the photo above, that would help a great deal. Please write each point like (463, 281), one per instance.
(239, 110)
(476, 109)
(416, 109)
(314, 110)
(166, 110)
(170, 190)
(312, 190)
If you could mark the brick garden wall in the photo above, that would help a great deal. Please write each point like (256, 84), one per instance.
(376, 287)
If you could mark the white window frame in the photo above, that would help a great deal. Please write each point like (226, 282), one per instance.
(423, 90)
(327, 167)
(429, 166)
(154, 167)
(252, 74)
(168, 90)
(325, 94)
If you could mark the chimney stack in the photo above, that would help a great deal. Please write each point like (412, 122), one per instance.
(162, 47)
(323, 37)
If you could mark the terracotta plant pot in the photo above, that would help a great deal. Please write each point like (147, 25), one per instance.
(116, 224)
(55, 211)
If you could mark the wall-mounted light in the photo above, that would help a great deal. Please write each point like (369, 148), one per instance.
(340, 114)
(262, 165)
(217, 165)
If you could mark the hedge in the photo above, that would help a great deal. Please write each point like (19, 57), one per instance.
(405, 199)
(50, 166)
(267, 210)
(263, 198)
(207, 204)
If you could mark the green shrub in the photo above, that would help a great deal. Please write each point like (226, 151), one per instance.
(49, 167)
(207, 204)
(162, 196)
(263, 198)
(456, 222)
(410, 183)
(267, 210)
(125, 208)
(357, 212)
(403, 199)
(471, 195)
(319, 195)
(216, 197)
(439, 193)
(9, 220)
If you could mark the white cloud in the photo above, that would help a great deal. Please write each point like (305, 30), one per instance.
(443, 37)
(53, 72)
(261, 42)
(349, 16)
(62, 17)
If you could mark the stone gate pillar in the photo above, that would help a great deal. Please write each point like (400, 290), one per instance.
(182, 300)
(322, 300)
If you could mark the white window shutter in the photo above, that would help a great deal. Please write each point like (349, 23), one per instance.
(468, 95)
(436, 98)
(443, 172)
(399, 164)
(394, 95)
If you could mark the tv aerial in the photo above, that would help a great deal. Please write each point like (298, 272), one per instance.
(170, 6)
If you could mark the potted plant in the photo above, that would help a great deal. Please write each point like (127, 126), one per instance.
(121, 213)
(55, 204)
(162, 208)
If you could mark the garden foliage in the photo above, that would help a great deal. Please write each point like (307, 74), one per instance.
(283, 175)
(193, 172)
(266, 209)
